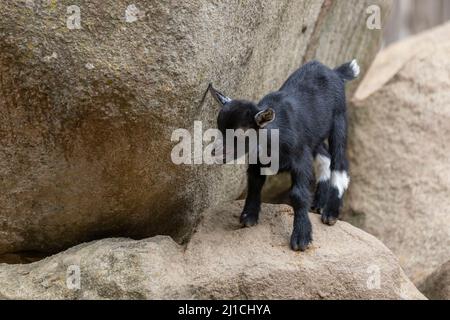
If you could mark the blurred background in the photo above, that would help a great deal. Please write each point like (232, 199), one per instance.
(410, 17)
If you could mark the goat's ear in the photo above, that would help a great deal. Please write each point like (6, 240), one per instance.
(265, 117)
(218, 96)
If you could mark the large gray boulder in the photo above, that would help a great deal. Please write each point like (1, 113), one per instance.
(399, 152)
(221, 261)
(87, 114)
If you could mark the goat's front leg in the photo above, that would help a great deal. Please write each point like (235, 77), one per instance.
(301, 200)
(252, 207)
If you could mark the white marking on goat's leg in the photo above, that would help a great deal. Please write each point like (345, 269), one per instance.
(340, 180)
(322, 168)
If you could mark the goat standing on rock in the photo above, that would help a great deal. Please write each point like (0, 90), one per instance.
(309, 110)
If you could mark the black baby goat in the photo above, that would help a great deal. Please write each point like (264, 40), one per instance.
(310, 113)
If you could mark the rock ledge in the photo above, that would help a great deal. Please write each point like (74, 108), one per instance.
(222, 261)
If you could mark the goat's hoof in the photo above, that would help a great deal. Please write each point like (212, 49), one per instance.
(299, 244)
(316, 210)
(329, 220)
(248, 220)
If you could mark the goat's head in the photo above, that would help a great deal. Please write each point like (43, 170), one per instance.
(241, 116)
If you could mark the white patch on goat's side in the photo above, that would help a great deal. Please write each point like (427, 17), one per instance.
(340, 180)
(322, 167)
(355, 68)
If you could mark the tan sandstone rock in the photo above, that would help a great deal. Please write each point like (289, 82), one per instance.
(86, 115)
(221, 261)
(400, 155)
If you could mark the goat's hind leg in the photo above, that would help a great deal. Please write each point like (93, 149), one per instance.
(339, 170)
(322, 163)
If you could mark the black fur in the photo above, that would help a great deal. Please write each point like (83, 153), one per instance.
(309, 109)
